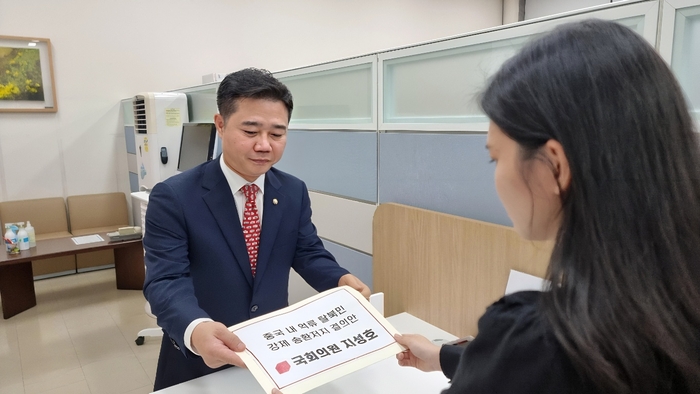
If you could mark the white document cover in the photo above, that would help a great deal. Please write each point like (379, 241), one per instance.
(520, 281)
(315, 341)
(87, 239)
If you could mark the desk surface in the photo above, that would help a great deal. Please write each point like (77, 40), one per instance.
(385, 376)
(61, 247)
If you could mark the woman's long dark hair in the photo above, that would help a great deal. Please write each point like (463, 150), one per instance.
(625, 298)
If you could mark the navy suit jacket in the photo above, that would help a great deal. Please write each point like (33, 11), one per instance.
(198, 266)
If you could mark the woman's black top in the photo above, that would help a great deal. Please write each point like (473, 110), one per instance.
(515, 352)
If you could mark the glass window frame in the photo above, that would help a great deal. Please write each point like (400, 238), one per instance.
(337, 66)
(649, 10)
(669, 25)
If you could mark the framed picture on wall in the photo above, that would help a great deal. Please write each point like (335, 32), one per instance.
(26, 75)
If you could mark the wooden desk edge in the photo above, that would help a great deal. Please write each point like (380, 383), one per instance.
(70, 248)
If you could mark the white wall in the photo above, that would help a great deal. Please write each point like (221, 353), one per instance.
(538, 8)
(104, 51)
(511, 11)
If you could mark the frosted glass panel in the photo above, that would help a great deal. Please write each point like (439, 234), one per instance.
(342, 95)
(202, 105)
(130, 139)
(686, 54)
(128, 112)
(441, 87)
(133, 182)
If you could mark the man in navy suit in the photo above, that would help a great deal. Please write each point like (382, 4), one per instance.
(203, 275)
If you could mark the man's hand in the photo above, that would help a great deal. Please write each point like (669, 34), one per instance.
(352, 281)
(216, 344)
(421, 353)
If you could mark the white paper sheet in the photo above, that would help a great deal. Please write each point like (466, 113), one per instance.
(87, 239)
(520, 281)
(315, 341)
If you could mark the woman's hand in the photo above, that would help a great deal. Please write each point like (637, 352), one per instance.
(421, 354)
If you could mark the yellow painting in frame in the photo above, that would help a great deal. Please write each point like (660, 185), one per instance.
(26, 75)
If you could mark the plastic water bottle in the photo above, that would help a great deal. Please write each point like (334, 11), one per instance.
(31, 233)
(10, 240)
(23, 239)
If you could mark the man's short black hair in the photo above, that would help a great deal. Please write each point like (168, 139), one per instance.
(251, 83)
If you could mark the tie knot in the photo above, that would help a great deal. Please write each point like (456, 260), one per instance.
(250, 190)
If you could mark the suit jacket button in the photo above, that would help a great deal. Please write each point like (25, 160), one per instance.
(254, 308)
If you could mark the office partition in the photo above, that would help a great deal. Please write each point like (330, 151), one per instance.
(332, 146)
(404, 125)
(679, 45)
(202, 104)
(127, 112)
(339, 163)
(339, 95)
(447, 269)
(448, 173)
(434, 87)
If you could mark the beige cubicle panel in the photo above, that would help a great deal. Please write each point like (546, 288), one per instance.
(446, 269)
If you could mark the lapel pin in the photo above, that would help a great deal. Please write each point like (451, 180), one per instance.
(274, 201)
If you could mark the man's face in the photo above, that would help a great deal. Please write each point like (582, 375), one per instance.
(253, 138)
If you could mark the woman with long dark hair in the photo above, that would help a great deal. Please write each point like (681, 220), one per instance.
(595, 149)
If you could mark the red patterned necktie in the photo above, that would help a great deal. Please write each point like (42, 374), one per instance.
(251, 225)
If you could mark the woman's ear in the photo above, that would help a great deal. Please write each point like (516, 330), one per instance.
(560, 165)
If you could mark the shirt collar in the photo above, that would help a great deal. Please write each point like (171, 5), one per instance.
(236, 182)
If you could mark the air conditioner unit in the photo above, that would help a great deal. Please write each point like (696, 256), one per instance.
(158, 119)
